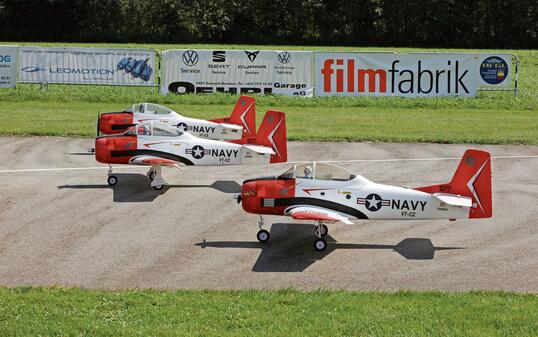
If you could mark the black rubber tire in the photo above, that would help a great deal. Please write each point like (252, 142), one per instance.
(112, 180)
(263, 236)
(320, 244)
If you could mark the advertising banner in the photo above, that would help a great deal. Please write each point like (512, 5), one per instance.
(237, 71)
(390, 74)
(494, 70)
(87, 66)
(8, 66)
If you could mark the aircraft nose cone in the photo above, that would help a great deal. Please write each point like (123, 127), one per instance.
(101, 151)
(111, 123)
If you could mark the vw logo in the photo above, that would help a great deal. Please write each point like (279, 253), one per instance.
(284, 57)
(190, 58)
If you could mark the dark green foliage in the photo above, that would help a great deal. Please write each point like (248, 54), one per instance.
(421, 23)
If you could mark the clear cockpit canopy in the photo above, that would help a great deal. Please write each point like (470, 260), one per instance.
(149, 108)
(320, 171)
(155, 129)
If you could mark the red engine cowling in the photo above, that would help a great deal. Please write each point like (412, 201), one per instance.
(259, 196)
(115, 122)
(115, 149)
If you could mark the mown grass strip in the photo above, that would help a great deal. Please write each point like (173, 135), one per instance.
(58, 311)
(304, 123)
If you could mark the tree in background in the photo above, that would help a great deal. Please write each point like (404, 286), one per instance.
(420, 23)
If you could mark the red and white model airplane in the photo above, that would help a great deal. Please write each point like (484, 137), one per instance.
(156, 144)
(240, 124)
(327, 193)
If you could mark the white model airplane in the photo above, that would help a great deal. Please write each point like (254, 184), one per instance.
(156, 144)
(240, 124)
(328, 193)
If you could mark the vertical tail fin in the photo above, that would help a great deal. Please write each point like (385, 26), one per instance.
(472, 179)
(272, 133)
(244, 114)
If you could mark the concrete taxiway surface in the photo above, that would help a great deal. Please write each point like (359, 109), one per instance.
(61, 224)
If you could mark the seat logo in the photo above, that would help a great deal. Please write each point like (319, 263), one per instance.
(219, 56)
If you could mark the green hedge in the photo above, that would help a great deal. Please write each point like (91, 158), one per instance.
(421, 23)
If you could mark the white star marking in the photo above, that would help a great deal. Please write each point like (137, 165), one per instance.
(373, 201)
(197, 152)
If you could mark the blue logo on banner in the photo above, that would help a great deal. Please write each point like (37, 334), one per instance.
(32, 69)
(494, 70)
(5, 58)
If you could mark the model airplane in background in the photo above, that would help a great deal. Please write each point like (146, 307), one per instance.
(156, 144)
(327, 193)
(240, 124)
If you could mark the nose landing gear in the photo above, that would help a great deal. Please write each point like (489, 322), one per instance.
(263, 235)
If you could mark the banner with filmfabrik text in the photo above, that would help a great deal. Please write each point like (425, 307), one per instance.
(237, 71)
(8, 66)
(87, 66)
(390, 74)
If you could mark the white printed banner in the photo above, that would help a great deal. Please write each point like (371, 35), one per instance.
(87, 66)
(237, 71)
(8, 66)
(390, 74)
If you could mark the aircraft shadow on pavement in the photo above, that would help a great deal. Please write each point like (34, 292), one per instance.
(290, 248)
(133, 187)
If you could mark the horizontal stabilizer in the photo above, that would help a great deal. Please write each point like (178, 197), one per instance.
(454, 200)
(259, 149)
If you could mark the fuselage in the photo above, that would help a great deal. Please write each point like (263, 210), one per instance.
(184, 148)
(357, 198)
(119, 122)
(197, 127)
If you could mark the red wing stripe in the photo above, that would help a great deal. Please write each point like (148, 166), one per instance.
(154, 161)
(313, 216)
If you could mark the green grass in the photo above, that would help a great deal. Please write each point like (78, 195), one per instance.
(492, 117)
(314, 123)
(78, 312)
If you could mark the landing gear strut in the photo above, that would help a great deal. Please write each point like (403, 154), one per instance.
(263, 235)
(155, 175)
(321, 230)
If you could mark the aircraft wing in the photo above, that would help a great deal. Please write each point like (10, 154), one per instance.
(314, 213)
(454, 200)
(152, 160)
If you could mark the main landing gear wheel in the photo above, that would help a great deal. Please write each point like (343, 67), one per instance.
(324, 230)
(112, 180)
(320, 244)
(158, 187)
(263, 236)
(151, 175)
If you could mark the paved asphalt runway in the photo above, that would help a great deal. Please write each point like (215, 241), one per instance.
(69, 228)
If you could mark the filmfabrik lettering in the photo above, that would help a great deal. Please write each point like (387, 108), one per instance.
(393, 80)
